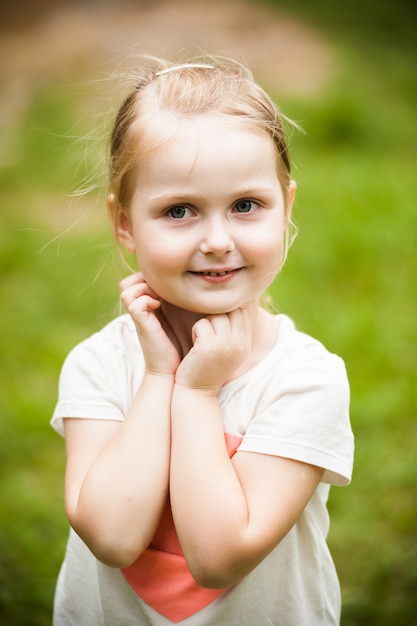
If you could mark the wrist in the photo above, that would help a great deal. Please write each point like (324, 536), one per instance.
(198, 405)
(153, 377)
(203, 391)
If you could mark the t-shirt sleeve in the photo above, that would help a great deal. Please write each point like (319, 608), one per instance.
(306, 417)
(95, 382)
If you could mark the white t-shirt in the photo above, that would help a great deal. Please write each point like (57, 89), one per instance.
(294, 403)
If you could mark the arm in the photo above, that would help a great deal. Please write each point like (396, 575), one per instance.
(229, 514)
(117, 473)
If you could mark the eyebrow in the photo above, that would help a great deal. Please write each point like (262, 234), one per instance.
(178, 196)
(254, 190)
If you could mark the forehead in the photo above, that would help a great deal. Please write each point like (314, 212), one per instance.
(202, 136)
(207, 157)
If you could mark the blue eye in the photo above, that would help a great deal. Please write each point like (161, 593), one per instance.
(245, 206)
(178, 212)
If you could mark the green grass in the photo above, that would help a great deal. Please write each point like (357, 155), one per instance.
(349, 280)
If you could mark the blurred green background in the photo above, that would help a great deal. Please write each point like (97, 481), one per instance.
(350, 280)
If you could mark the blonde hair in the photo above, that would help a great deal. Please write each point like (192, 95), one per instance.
(213, 86)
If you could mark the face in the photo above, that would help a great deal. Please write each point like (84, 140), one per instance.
(207, 219)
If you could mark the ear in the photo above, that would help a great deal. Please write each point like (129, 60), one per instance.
(121, 224)
(292, 188)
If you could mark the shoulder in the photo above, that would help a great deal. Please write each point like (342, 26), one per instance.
(109, 355)
(120, 331)
(296, 360)
(100, 374)
(298, 356)
(117, 340)
(296, 342)
(295, 404)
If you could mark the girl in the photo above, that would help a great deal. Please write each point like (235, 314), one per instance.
(202, 432)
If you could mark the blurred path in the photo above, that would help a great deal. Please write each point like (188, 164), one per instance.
(46, 41)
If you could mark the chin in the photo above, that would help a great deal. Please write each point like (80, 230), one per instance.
(215, 310)
(203, 310)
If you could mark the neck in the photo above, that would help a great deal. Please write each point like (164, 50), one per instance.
(181, 323)
(264, 329)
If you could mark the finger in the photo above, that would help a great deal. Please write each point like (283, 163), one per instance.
(242, 327)
(220, 324)
(132, 292)
(144, 304)
(135, 286)
(240, 320)
(135, 299)
(138, 279)
(130, 280)
(202, 330)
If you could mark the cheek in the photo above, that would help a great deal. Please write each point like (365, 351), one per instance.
(270, 259)
(269, 246)
(156, 262)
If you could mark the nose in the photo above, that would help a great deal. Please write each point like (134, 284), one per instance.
(216, 238)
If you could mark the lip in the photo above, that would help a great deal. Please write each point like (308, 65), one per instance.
(218, 275)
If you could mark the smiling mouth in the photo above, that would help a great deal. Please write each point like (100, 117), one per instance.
(223, 273)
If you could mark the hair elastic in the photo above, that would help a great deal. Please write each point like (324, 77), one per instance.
(184, 65)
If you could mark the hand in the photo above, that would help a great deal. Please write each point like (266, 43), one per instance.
(143, 305)
(220, 345)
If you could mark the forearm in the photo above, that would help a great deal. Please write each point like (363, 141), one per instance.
(122, 495)
(209, 507)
